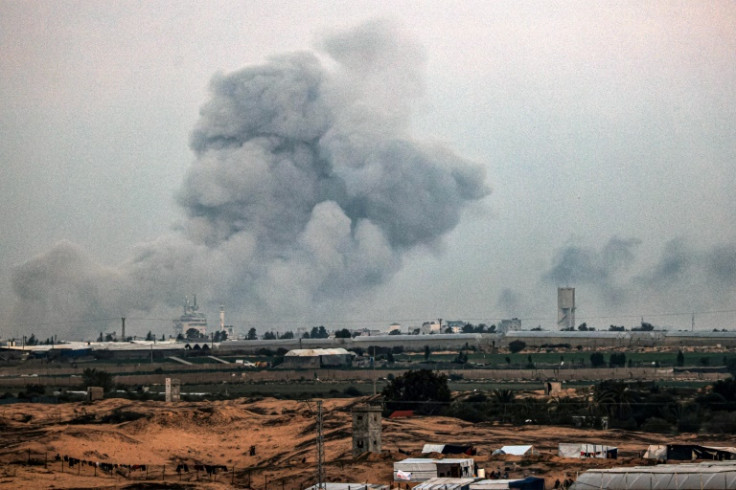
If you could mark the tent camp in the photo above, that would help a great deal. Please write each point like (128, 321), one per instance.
(516, 450)
(528, 483)
(422, 469)
(445, 484)
(689, 452)
(686, 476)
(583, 450)
(449, 449)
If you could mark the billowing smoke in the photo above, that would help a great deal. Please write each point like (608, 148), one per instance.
(306, 189)
(601, 270)
(683, 279)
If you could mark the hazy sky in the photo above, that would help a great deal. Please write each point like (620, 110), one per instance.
(443, 160)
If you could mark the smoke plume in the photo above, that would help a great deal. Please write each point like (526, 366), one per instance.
(306, 189)
(682, 279)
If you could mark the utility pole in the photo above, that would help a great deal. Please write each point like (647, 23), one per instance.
(320, 447)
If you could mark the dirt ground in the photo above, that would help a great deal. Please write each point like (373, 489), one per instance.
(118, 443)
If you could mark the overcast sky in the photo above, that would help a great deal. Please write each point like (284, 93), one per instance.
(445, 160)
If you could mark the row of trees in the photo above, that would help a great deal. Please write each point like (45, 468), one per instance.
(633, 406)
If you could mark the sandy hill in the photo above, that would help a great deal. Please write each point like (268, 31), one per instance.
(118, 443)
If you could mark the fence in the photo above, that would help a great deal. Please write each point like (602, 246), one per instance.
(243, 477)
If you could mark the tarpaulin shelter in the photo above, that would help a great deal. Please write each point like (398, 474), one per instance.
(449, 449)
(526, 450)
(584, 450)
(423, 469)
(689, 452)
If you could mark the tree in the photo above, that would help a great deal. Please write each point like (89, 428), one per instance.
(252, 334)
(422, 390)
(583, 327)
(318, 333)
(617, 359)
(193, 333)
(287, 335)
(516, 346)
(680, 359)
(149, 336)
(94, 377)
(597, 360)
(343, 334)
(395, 332)
(32, 340)
(269, 336)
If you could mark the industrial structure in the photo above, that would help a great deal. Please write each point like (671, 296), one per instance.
(192, 318)
(566, 308)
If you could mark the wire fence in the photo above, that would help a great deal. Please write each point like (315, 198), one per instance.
(240, 477)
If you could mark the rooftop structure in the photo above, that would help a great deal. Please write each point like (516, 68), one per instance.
(192, 318)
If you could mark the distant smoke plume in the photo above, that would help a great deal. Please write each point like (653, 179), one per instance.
(306, 188)
(598, 269)
(510, 302)
(683, 279)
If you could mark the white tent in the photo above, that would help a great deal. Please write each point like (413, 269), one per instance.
(422, 469)
(656, 451)
(583, 450)
(687, 476)
(527, 450)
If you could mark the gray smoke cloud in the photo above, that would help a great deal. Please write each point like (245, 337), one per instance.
(598, 269)
(683, 278)
(306, 188)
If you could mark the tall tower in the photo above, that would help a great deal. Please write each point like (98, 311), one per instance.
(366, 429)
(222, 318)
(565, 308)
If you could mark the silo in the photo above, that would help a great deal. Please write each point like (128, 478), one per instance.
(566, 308)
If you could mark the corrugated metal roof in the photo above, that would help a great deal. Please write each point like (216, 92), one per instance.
(444, 483)
(687, 476)
(337, 351)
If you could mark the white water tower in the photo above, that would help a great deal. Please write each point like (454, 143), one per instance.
(565, 308)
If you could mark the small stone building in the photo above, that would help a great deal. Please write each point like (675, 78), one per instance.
(366, 429)
(173, 390)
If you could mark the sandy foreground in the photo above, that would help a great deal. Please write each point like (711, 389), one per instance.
(131, 444)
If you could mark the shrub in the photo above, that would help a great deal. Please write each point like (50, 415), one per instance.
(352, 391)
(656, 424)
(721, 423)
(688, 423)
(597, 360)
(516, 346)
